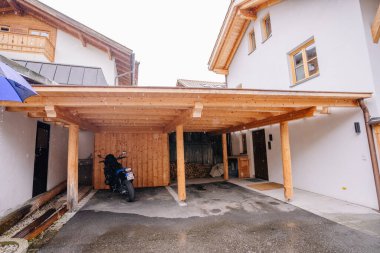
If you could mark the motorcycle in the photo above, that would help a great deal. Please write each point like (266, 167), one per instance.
(118, 178)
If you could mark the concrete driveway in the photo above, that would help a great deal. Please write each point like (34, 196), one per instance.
(220, 217)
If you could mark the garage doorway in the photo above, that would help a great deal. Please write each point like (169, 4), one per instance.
(41, 158)
(260, 154)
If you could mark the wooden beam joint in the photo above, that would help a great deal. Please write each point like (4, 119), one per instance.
(82, 39)
(221, 71)
(248, 14)
(294, 115)
(187, 115)
(17, 8)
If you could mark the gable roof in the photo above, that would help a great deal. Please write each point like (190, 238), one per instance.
(199, 84)
(124, 57)
(240, 13)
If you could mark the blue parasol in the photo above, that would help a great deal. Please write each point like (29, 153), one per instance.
(13, 87)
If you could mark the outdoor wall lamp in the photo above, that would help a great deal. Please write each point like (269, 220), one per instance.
(357, 127)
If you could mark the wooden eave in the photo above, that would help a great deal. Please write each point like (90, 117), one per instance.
(238, 17)
(375, 27)
(85, 34)
(156, 109)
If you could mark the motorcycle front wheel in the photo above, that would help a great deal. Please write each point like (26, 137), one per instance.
(130, 189)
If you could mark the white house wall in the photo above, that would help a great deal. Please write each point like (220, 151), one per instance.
(17, 152)
(57, 170)
(339, 38)
(86, 144)
(69, 50)
(328, 157)
(369, 8)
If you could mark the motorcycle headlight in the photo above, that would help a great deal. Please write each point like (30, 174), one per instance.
(128, 169)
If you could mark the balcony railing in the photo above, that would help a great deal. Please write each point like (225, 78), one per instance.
(27, 44)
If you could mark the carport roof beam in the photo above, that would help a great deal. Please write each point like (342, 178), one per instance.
(160, 109)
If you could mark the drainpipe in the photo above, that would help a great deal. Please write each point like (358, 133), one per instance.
(372, 149)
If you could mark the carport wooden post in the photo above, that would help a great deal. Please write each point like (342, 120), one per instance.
(286, 161)
(181, 184)
(72, 168)
(225, 158)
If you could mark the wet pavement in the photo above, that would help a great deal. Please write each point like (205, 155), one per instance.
(220, 217)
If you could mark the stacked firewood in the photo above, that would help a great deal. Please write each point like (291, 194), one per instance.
(192, 170)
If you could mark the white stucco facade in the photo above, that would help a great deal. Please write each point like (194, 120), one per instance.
(328, 157)
(17, 153)
(69, 50)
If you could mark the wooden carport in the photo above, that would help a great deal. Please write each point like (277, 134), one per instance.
(141, 118)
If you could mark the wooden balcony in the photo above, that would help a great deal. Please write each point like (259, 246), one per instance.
(27, 44)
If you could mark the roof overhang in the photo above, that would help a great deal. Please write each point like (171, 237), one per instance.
(123, 55)
(375, 27)
(238, 17)
(156, 109)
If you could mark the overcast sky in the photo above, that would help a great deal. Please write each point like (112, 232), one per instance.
(171, 38)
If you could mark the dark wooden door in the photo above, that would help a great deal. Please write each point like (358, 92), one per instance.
(41, 158)
(260, 154)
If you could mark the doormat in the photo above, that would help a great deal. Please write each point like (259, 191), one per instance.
(255, 180)
(266, 186)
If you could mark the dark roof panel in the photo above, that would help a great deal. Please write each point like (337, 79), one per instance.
(62, 74)
(67, 74)
(48, 71)
(76, 75)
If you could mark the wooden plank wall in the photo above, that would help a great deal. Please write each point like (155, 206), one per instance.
(22, 25)
(148, 156)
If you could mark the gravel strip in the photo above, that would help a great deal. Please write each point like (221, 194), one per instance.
(54, 203)
(8, 247)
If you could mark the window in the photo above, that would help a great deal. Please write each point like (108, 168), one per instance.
(266, 27)
(39, 33)
(251, 42)
(4, 28)
(304, 62)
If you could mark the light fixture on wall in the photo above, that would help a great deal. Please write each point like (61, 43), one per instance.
(357, 127)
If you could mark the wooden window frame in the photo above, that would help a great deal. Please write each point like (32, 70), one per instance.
(265, 34)
(302, 48)
(251, 41)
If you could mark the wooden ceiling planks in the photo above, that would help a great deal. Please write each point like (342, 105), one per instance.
(144, 109)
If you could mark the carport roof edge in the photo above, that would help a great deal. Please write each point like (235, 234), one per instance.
(160, 109)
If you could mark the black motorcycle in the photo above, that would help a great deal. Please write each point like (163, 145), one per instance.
(118, 178)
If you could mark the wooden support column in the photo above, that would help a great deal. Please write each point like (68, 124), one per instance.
(181, 183)
(225, 156)
(376, 129)
(72, 168)
(286, 161)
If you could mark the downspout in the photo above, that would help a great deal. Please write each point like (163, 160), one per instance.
(372, 149)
